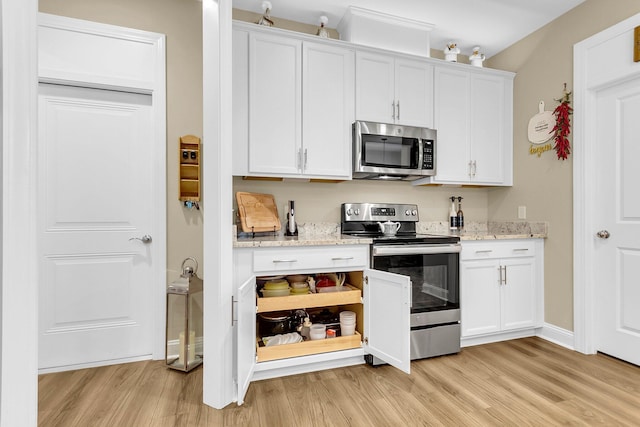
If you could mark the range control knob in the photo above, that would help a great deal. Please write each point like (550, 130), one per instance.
(407, 212)
(414, 212)
(349, 212)
(357, 212)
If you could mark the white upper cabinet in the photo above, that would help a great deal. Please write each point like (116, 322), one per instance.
(275, 104)
(328, 110)
(393, 89)
(293, 107)
(473, 115)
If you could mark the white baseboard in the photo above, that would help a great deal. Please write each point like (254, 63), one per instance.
(93, 364)
(496, 337)
(557, 335)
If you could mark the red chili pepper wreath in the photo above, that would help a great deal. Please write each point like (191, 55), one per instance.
(562, 129)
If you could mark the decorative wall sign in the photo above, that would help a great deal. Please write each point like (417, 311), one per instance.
(540, 130)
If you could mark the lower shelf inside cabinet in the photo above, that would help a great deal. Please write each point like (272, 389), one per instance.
(306, 348)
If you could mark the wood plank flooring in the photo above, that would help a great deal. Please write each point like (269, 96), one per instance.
(526, 382)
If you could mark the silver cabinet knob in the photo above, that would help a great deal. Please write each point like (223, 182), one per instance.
(144, 239)
(603, 234)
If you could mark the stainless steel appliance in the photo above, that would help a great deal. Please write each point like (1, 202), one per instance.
(431, 261)
(393, 152)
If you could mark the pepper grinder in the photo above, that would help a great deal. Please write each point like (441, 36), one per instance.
(292, 227)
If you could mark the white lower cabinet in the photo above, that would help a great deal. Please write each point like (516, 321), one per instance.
(501, 288)
(381, 301)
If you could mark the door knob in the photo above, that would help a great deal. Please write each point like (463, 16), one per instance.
(603, 234)
(144, 239)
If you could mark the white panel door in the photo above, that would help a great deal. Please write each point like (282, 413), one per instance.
(414, 93)
(327, 110)
(518, 293)
(479, 297)
(387, 323)
(275, 105)
(487, 127)
(375, 88)
(617, 249)
(246, 336)
(95, 196)
(451, 120)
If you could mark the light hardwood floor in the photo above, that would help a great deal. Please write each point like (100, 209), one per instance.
(526, 382)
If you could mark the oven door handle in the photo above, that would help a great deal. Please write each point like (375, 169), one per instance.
(416, 249)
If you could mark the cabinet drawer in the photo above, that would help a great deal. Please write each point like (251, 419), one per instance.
(306, 348)
(310, 258)
(495, 249)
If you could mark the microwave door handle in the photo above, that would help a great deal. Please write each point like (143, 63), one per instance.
(416, 250)
(420, 153)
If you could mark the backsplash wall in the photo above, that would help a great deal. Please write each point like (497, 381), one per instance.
(320, 202)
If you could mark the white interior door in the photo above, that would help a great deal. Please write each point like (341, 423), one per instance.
(95, 205)
(617, 248)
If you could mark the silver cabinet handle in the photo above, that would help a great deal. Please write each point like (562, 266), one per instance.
(299, 159)
(304, 165)
(398, 103)
(521, 250)
(470, 168)
(341, 258)
(393, 105)
(485, 251)
(503, 274)
(144, 239)
(474, 168)
(275, 261)
(603, 234)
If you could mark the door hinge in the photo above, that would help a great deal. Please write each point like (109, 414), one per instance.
(366, 340)
(366, 280)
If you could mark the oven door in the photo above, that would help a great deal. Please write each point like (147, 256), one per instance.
(433, 270)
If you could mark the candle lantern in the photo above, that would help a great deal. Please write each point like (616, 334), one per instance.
(184, 319)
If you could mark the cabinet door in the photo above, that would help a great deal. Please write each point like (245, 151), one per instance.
(374, 87)
(519, 293)
(451, 120)
(479, 297)
(240, 165)
(275, 102)
(328, 110)
(387, 323)
(487, 124)
(245, 335)
(414, 93)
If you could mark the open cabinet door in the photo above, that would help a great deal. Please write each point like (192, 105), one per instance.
(246, 336)
(387, 329)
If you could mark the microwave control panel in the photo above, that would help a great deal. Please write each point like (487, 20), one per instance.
(427, 154)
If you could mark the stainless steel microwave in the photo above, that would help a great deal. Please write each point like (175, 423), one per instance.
(388, 151)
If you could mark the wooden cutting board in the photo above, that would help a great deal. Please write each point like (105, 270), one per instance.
(258, 212)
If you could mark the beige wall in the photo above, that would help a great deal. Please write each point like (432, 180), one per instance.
(181, 22)
(543, 63)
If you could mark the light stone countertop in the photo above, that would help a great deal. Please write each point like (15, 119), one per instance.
(328, 234)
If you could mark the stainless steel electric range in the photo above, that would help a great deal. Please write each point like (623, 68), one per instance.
(431, 261)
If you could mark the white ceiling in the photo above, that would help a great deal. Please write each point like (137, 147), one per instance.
(491, 24)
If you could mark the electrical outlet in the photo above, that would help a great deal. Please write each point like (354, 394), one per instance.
(522, 212)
